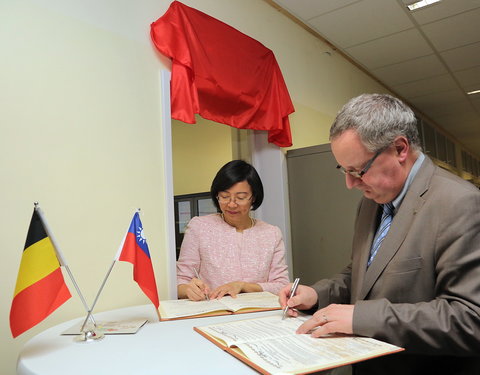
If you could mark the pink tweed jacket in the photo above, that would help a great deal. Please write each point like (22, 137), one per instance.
(222, 255)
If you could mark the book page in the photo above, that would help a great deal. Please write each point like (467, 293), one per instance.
(303, 353)
(179, 308)
(251, 330)
(272, 344)
(259, 300)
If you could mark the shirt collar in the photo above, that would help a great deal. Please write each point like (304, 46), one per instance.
(413, 172)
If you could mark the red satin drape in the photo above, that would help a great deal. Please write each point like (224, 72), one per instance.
(222, 74)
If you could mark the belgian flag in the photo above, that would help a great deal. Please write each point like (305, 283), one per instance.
(40, 287)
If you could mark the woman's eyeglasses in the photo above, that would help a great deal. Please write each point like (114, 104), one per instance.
(225, 199)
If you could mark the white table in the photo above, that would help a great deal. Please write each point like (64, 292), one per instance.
(170, 347)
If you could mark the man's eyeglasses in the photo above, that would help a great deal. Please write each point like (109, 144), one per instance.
(365, 169)
(225, 199)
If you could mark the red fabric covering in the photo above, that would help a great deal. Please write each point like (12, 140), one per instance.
(222, 74)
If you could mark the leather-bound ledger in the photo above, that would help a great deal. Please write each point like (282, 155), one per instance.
(242, 303)
(271, 346)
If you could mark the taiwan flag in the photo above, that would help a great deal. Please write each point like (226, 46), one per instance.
(135, 251)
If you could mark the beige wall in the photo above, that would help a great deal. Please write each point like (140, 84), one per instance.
(81, 134)
(199, 151)
(81, 131)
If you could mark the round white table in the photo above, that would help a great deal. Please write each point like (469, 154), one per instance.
(169, 347)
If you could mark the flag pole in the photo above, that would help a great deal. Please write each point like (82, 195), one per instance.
(101, 288)
(60, 256)
(105, 280)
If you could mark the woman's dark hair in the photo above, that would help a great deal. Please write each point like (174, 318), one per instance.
(232, 173)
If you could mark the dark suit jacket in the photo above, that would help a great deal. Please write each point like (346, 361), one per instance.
(422, 291)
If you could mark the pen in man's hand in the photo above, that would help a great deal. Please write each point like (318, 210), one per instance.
(198, 277)
(293, 290)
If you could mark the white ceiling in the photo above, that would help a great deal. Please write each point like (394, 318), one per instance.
(429, 57)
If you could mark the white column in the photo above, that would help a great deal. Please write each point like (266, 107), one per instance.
(165, 77)
(271, 164)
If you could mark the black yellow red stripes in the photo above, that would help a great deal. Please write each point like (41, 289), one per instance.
(40, 287)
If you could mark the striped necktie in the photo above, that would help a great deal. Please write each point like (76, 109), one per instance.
(382, 230)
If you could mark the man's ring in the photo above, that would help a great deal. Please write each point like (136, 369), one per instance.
(325, 319)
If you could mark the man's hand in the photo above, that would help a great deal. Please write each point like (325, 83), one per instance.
(305, 298)
(331, 319)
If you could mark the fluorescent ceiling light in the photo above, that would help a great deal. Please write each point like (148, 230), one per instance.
(473, 92)
(421, 4)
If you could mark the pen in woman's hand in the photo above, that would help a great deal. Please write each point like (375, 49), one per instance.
(293, 290)
(198, 277)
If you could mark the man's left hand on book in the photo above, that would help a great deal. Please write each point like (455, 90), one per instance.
(331, 319)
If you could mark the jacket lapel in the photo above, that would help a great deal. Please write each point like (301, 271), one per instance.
(400, 227)
(365, 227)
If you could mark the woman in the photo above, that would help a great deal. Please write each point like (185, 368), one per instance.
(230, 252)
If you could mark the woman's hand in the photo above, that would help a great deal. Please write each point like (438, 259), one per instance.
(234, 288)
(195, 290)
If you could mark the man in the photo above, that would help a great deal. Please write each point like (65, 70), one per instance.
(414, 279)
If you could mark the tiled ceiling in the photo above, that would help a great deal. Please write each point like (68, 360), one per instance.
(429, 57)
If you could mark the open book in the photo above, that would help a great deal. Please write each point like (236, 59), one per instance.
(243, 303)
(271, 346)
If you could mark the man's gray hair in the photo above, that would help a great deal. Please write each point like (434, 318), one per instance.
(378, 119)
